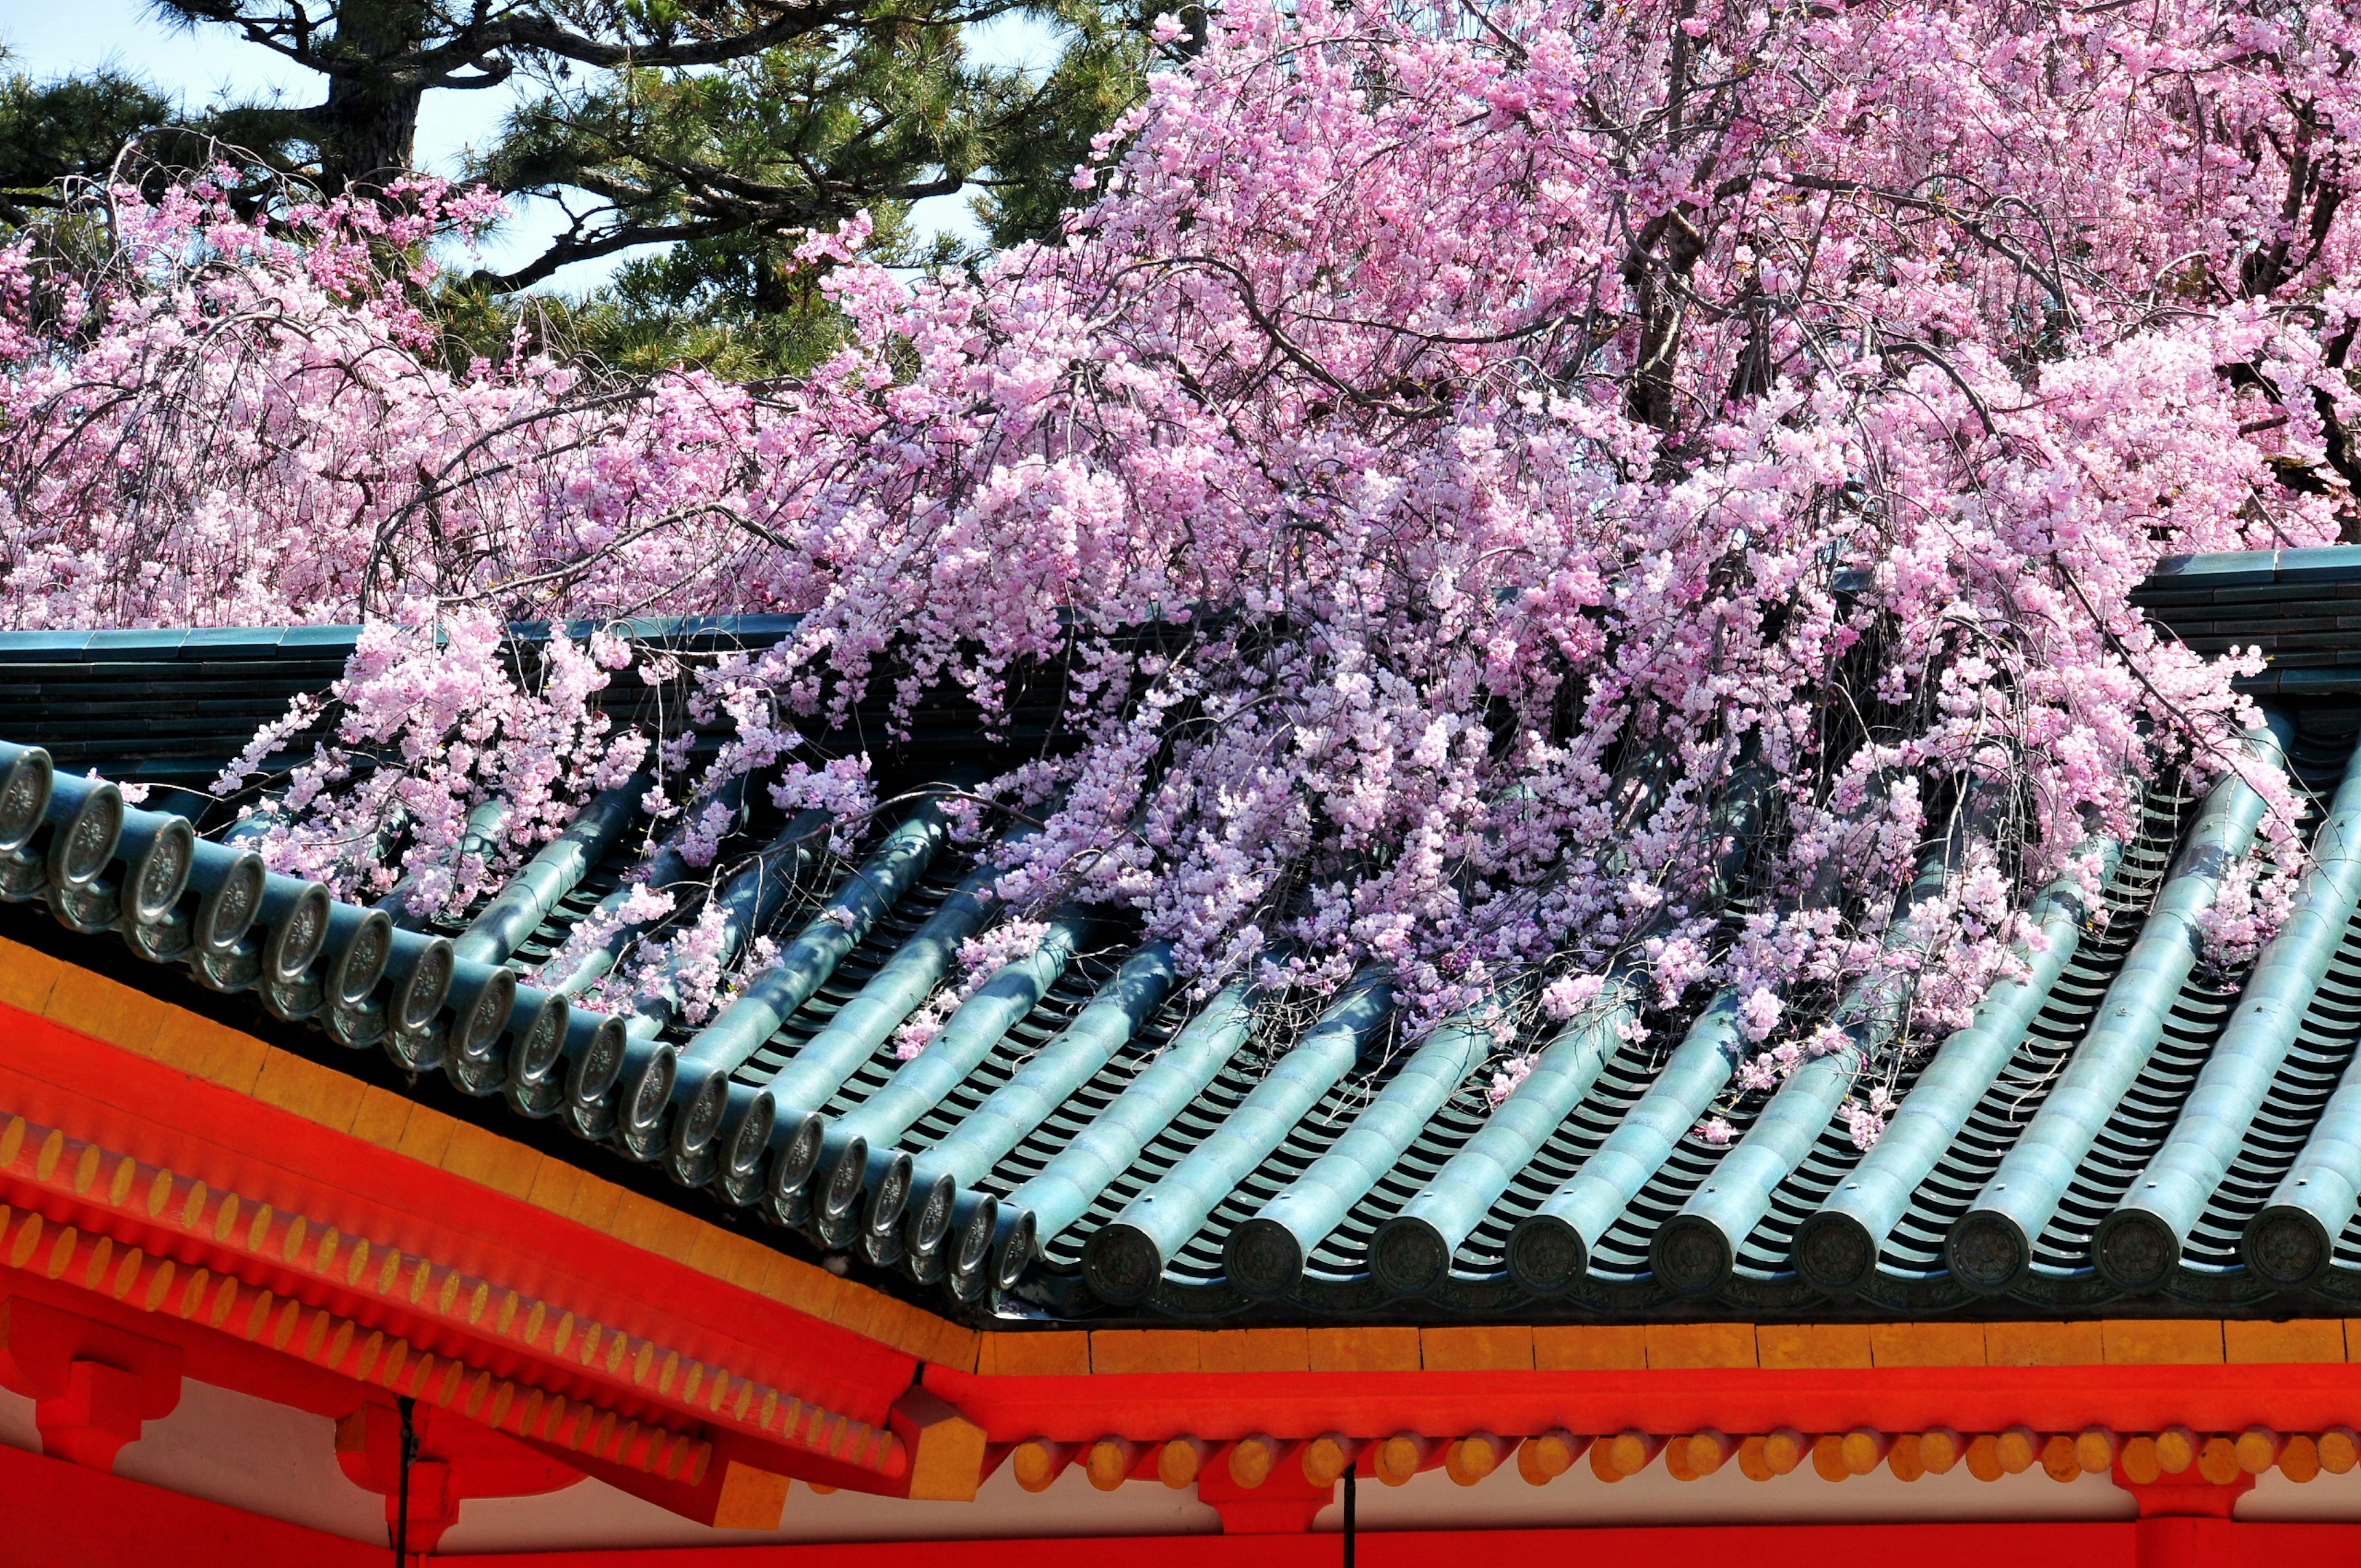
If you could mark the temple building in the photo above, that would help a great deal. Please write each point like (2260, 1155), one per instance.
(327, 1230)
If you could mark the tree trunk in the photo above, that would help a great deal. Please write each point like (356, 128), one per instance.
(368, 130)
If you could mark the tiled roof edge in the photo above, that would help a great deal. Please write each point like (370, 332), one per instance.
(150, 643)
(2248, 568)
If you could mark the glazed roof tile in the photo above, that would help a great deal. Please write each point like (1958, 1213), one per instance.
(1083, 1141)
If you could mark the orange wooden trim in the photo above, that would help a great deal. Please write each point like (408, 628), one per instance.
(1665, 1347)
(159, 1176)
(1793, 1345)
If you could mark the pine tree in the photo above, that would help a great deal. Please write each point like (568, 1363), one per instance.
(702, 138)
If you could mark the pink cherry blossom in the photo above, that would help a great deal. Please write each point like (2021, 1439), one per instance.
(1446, 468)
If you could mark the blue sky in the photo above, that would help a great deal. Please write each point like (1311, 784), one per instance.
(205, 65)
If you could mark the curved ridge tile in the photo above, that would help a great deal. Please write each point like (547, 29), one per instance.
(858, 1147)
(1127, 1256)
(2139, 1244)
(1836, 1247)
(1265, 1255)
(710, 1109)
(1991, 1247)
(951, 1168)
(1112, 1142)
(1695, 1252)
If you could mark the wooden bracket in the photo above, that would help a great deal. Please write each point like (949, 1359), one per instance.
(946, 1449)
(458, 1459)
(93, 1386)
(1285, 1503)
(2184, 1515)
(745, 1485)
(2185, 1494)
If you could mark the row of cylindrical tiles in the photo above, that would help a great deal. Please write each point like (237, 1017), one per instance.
(2144, 1458)
(101, 865)
(844, 1178)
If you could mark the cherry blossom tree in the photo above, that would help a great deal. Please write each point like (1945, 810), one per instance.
(1562, 503)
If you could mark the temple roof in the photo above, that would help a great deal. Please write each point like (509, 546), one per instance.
(1084, 1142)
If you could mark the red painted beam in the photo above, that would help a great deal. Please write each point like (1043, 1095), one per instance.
(57, 1515)
(1741, 1399)
(2050, 1545)
(53, 1513)
(1751, 1546)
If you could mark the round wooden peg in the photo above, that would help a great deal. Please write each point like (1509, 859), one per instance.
(2258, 1449)
(1177, 1462)
(1629, 1452)
(1543, 1459)
(1473, 1457)
(1251, 1459)
(1863, 1449)
(1399, 1457)
(1110, 1462)
(1038, 1462)
(1327, 1457)
(1710, 1451)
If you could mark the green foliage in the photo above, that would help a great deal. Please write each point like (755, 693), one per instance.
(1100, 75)
(66, 129)
(701, 140)
(798, 136)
